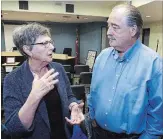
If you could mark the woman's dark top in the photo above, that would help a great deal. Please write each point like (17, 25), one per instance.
(53, 104)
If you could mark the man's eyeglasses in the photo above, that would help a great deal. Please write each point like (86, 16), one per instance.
(46, 43)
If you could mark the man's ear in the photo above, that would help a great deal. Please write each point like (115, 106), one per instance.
(27, 50)
(133, 30)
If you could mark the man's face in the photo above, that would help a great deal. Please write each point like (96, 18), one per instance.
(118, 31)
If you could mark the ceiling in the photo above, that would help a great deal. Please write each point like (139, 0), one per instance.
(66, 18)
(146, 10)
(153, 9)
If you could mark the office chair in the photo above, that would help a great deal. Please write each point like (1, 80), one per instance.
(78, 69)
(81, 68)
(79, 92)
(68, 68)
(85, 77)
(67, 51)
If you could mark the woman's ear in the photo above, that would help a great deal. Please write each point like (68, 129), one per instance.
(27, 50)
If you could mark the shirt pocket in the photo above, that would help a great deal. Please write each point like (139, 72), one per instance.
(133, 101)
(133, 95)
(134, 89)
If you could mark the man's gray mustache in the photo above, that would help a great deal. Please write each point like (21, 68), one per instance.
(111, 38)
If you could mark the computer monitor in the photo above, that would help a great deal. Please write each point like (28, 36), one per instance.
(67, 51)
(14, 48)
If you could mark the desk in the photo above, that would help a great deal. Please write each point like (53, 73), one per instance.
(61, 58)
(9, 67)
(14, 53)
(55, 56)
(12, 64)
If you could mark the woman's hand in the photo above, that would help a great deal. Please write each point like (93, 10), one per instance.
(42, 86)
(77, 115)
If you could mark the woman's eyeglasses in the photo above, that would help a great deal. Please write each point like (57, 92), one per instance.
(46, 43)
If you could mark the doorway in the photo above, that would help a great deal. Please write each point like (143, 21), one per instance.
(145, 36)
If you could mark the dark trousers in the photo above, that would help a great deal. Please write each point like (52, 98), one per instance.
(99, 133)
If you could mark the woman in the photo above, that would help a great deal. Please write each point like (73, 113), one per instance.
(37, 95)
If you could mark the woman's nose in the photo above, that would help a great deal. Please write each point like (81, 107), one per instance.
(51, 46)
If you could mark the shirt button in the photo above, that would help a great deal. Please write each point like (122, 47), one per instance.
(117, 75)
(106, 113)
(113, 88)
(109, 100)
(105, 125)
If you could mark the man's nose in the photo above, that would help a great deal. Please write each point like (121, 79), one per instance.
(110, 31)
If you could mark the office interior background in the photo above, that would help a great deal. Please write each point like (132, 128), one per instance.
(69, 21)
(89, 17)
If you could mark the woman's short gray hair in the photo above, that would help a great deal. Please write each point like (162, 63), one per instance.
(133, 17)
(27, 34)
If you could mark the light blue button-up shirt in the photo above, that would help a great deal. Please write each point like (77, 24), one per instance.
(126, 92)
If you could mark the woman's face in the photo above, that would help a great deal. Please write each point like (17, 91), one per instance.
(43, 49)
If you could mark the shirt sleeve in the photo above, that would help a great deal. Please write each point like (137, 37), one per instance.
(89, 97)
(154, 124)
(93, 84)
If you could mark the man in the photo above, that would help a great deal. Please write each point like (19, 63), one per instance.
(126, 99)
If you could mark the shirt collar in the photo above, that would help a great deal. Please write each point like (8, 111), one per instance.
(128, 54)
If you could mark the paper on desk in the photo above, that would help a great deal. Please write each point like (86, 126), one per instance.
(10, 60)
(9, 68)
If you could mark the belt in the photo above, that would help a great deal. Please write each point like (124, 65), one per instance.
(113, 134)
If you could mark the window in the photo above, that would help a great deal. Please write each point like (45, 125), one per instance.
(70, 8)
(23, 5)
(145, 36)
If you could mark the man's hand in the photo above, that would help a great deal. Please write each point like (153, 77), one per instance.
(77, 115)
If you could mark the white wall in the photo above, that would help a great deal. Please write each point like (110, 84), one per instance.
(8, 30)
(138, 3)
(80, 8)
(156, 33)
